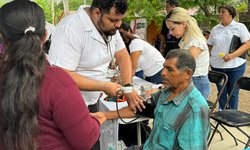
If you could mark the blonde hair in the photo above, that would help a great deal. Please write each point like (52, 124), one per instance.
(179, 15)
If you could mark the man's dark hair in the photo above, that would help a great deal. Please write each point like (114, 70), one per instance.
(105, 5)
(206, 32)
(173, 2)
(185, 60)
(229, 8)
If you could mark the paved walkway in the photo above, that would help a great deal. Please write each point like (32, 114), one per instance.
(228, 142)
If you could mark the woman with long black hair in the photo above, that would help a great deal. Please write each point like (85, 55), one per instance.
(40, 105)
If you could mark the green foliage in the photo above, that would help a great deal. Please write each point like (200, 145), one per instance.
(74, 4)
(45, 4)
(242, 8)
(152, 10)
(207, 9)
(149, 9)
(2, 2)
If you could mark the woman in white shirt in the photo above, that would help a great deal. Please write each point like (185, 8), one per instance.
(182, 25)
(221, 60)
(144, 56)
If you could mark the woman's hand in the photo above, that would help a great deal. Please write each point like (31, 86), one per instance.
(100, 116)
(134, 100)
(228, 57)
(111, 89)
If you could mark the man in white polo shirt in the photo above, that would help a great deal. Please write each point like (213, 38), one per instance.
(84, 44)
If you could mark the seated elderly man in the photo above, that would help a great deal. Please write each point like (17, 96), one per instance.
(181, 115)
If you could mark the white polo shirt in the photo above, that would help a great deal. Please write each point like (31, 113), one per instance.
(78, 46)
(220, 38)
(150, 61)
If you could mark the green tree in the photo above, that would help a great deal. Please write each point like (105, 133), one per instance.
(207, 9)
(152, 10)
(2, 2)
(45, 4)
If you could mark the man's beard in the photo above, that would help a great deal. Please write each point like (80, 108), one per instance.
(110, 33)
(106, 33)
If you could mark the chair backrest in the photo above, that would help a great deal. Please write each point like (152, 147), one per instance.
(242, 83)
(217, 78)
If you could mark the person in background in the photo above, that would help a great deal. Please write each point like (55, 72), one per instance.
(221, 60)
(126, 26)
(143, 55)
(40, 105)
(206, 34)
(157, 42)
(182, 25)
(168, 42)
(181, 115)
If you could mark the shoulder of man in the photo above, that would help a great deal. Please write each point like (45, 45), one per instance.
(197, 101)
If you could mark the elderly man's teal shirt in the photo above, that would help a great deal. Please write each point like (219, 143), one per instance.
(193, 133)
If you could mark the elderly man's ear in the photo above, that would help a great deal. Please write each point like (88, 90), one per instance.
(188, 75)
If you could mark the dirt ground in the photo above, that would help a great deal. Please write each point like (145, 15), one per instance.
(244, 96)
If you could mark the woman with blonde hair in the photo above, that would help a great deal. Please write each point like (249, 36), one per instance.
(182, 25)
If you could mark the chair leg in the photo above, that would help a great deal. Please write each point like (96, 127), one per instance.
(248, 142)
(235, 139)
(218, 131)
(211, 138)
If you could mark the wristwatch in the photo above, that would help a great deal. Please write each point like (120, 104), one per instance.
(127, 88)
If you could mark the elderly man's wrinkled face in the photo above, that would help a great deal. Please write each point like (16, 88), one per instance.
(171, 75)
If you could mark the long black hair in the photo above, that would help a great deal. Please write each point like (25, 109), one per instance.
(22, 25)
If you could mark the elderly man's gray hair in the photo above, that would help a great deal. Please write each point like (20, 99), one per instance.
(185, 60)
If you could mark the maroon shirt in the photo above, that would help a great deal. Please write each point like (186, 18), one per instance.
(64, 120)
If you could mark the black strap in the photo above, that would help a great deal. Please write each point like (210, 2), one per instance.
(150, 105)
(181, 119)
(155, 100)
